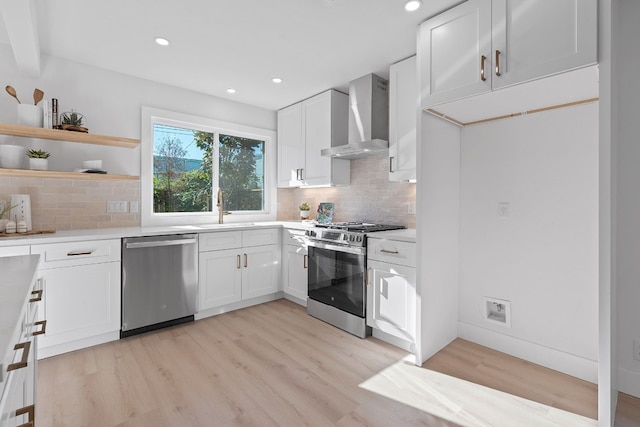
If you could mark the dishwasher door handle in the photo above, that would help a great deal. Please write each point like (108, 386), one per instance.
(175, 242)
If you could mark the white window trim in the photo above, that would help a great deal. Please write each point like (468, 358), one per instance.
(150, 116)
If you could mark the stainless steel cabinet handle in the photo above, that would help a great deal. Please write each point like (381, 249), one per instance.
(482, 61)
(305, 262)
(42, 331)
(498, 63)
(37, 296)
(25, 346)
(80, 252)
(368, 276)
(386, 251)
(238, 263)
(391, 164)
(31, 415)
(246, 261)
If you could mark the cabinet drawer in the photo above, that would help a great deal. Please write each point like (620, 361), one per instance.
(77, 253)
(293, 237)
(392, 251)
(268, 236)
(219, 240)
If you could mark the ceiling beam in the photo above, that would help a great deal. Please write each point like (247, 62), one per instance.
(22, 27)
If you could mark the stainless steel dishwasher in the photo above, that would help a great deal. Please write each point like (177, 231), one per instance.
(159, 282)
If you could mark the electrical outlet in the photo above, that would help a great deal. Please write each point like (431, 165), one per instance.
(133, 207)
(116, 206)
(636, 349)
(412, 208)
(503, 209)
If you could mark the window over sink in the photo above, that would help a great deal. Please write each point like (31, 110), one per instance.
(186, 159)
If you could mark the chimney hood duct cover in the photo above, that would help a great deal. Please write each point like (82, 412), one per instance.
(368, 120)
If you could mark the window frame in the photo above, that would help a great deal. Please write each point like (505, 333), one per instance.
(151, 116)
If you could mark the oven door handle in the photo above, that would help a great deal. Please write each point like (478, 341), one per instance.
(337, 248)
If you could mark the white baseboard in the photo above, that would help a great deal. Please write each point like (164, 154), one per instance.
(293, 298)
(201, 314)
(567, 363)
(393, 340)
(629, 382)
(54, 350)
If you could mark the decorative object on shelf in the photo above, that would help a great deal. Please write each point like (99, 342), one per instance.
(22, 209)
(38, 159)
(325, 213)
(72, 121)
(3, 210)
(11, 91)
(304, 210)
(37, 96)
(11, 156)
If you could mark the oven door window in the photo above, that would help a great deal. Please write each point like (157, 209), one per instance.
(337, 279)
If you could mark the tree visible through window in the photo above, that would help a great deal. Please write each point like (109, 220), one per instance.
(189, 164)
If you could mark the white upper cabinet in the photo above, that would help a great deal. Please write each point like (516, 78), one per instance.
(483, 45)
(453, 47)
(403, 110)
(304, 129)
(291, 151)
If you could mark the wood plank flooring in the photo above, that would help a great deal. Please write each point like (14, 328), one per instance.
(273, 365)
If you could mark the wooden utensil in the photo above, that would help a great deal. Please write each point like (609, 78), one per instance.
(37, 96)
(11, 91)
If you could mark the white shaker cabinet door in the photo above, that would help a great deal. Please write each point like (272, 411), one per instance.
(295, 270)
(260, 272)
(219, 278)
(291, 146)
(455, 49)
(403, 111)
(391, 299)
(538, 38)
(80, 302)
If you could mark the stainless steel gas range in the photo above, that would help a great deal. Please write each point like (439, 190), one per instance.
(337, 273)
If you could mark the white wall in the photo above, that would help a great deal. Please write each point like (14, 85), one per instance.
(111, 104)
(543, 258)
(628, 197)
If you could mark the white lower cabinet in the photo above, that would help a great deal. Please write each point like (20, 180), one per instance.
(294, 265)
(18, 379)
(391, 289)
(250, 270)
(81, 283)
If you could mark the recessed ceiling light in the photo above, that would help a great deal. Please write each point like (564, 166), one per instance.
(162, 41)
(412, 5)
(231, 90)
(276, 80)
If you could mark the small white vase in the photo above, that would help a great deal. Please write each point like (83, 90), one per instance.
(304, 214)
(38, 164)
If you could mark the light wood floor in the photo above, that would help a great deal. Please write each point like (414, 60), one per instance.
(273, 365)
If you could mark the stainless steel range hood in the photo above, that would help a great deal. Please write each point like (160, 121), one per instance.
(368, 120)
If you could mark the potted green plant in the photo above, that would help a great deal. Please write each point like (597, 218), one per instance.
(304, 210)
(5, 209)
(38, 159)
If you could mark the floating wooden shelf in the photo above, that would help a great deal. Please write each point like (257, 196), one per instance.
(27, 173)
(64, 135)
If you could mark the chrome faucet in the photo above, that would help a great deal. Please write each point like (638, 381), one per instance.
(220, 205)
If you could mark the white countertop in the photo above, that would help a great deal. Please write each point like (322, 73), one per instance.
(118, 233)
(406, 235)
(16, 276)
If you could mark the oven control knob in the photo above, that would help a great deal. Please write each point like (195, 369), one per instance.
(311, 233)
(359, 239)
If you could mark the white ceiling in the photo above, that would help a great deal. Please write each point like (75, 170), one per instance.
(313, 45)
